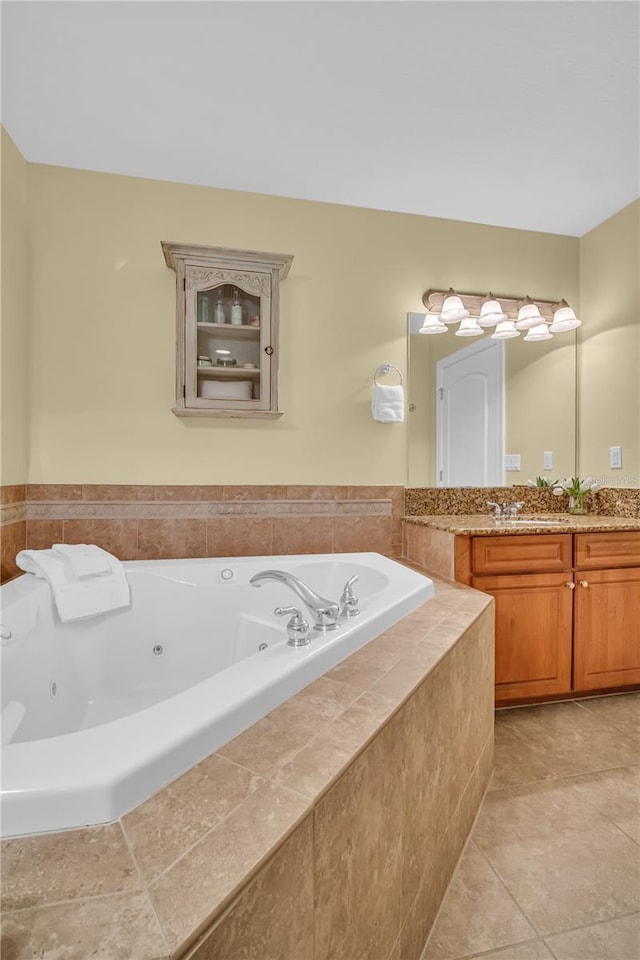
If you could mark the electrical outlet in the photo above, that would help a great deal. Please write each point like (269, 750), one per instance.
(615, 458)
(548, 460)
(512, 461)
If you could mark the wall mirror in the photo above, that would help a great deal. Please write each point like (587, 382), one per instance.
(489, 412)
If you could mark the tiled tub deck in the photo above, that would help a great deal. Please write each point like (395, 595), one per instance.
(330, 828)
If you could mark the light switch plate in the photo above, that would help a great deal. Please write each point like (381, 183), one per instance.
(512, 461)
(548, 460)
(615, 458)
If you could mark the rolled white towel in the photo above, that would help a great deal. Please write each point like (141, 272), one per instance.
(75, 598)
(86, 559)
(387, 403)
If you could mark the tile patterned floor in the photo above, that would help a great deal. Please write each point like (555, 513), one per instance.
(552, 868)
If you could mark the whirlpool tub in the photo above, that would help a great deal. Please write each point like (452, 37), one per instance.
(97, 715)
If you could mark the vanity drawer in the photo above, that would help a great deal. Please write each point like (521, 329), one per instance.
(529, 553)
(602, 550)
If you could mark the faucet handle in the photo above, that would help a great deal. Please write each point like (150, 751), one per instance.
(348, 600)
(497, 509)
(515, 508)
(297, 627)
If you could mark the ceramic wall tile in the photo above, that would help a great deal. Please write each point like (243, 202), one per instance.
(292, 535)
(13, 539)
(42, 534)
(118, 927)
(167, 539)
(87, 863)
(117, 491)
(119, 537)
(239, 536)
(273, 917)
(216, 868)
(358, 855)
(12, 493)
(169, 823)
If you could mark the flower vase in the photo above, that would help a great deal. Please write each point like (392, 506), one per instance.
(577, 504)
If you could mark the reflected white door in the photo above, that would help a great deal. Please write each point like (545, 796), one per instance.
(471, 416)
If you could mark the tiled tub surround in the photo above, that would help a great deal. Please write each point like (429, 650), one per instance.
(148, 522)
(225, 663)
(330, 829)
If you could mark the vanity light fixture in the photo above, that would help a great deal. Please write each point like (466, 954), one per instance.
(469, 328)
(529, 315)
(453, 309)
(491, 313)
(475, 313)
(564, 319)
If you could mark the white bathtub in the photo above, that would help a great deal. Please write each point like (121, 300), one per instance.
(99, 714)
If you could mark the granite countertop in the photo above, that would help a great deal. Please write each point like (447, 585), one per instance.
(483, 525)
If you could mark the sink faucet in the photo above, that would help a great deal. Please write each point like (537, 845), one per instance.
(505, 509)
(325, 611)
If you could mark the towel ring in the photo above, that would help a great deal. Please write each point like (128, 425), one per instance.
(387, 368)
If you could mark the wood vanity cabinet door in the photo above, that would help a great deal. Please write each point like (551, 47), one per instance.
(607, 629)
(533, 633)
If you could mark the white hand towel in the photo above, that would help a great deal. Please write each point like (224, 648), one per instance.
(387, 403)
(75, 598)
(86, 559)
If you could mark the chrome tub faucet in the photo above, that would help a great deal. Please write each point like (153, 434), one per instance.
(326, 612)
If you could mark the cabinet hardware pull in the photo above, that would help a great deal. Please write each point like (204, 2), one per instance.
(571, 585)
(584, 583)
(268, 351)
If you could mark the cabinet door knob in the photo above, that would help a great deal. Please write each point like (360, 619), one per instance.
(584, 583)
(571, 585)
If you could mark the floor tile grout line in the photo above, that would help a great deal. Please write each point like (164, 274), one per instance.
(507, 946)
(586, 926)
(508, 891)
(569, 776)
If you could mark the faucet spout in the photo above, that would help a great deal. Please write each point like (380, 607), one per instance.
(326, 612)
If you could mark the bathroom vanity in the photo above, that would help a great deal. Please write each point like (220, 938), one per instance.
(567, 597)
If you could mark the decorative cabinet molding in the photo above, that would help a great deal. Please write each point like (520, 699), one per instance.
(227, 330)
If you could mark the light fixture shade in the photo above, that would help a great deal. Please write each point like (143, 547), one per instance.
(564, 319)
(469, 328)
(540, 332)
(528, 316)
(491, 313)
(453, 309)
(432, 325)
(505, 330)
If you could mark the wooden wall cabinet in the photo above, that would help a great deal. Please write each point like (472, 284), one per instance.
(227, 330)
(562, 627)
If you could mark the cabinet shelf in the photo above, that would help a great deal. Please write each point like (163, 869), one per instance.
(231, 373)
(231, 331)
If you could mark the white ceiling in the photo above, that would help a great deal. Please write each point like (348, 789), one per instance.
(521, 114)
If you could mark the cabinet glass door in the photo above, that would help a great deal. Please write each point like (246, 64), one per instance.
(228, 341)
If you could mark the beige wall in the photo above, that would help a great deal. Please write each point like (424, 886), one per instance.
(103, 327)
(14, 307)
(609, 348)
